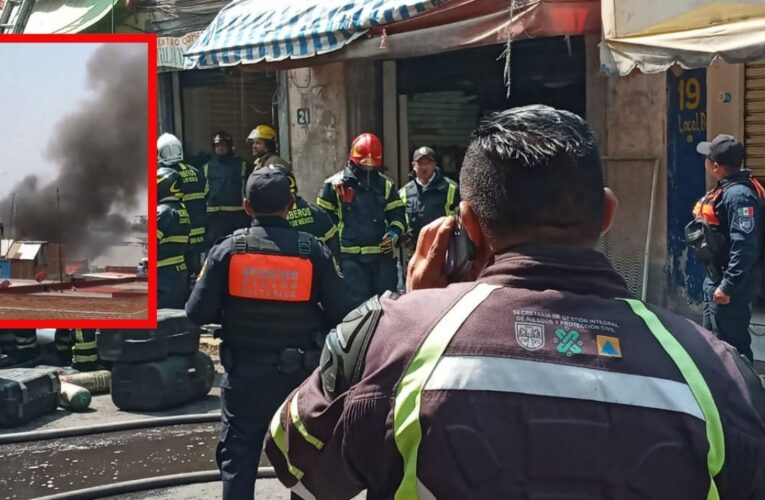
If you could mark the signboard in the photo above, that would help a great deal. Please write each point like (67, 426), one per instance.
(686, 177)
(170, 50)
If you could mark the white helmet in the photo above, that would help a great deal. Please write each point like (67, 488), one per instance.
(169, 150)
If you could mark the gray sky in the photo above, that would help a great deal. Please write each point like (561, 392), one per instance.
(40, 83)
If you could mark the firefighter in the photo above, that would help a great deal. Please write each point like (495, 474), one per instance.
(275, 291)
(77, 346)
(537, 377)
(226, 176)
(307, 217)
(732, 210)
(173, 228)
(365, 206)
(194, 191)
(429, 195)
(264, 151)
(20, 345)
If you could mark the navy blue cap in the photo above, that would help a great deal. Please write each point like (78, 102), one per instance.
(268, 190)
(724, 149)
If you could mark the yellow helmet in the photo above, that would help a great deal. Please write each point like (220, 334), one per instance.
(263, 132)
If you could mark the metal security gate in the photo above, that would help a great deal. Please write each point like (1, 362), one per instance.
(628, 244)
(754, 118)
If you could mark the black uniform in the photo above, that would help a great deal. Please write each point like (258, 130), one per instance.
(258, 286)
(172, 238)
(364, 205)
(308, 217)
(194, 191)
(736, 217)
(20, 345)
(226, 178)
(439, 198)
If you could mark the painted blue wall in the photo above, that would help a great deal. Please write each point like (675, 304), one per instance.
(686, 127)
(5, 269)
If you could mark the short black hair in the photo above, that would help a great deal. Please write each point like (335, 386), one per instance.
(531, 168)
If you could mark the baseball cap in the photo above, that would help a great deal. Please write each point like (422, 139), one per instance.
(424, 151)
(724, 149)
(268, 190)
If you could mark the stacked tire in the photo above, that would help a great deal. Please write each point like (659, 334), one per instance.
(157, 369)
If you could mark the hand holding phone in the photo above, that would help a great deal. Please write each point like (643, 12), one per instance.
(460, 253)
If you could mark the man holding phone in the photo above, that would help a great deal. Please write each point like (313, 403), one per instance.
(537, 375)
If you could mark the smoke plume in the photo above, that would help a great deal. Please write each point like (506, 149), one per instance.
(101, 153)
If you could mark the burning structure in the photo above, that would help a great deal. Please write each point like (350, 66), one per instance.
(101, 149)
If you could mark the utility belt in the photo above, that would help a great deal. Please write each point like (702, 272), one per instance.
(289, 360)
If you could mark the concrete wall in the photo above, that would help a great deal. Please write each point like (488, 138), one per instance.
(628, 118)
(636, 125)
(319, 148)
(725, 101)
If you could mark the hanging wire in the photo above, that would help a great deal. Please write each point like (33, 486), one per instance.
(507, 52)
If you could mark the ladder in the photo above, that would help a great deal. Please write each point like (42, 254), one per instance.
(14, 16)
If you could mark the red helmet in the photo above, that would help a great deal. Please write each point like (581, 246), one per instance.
(366, 151)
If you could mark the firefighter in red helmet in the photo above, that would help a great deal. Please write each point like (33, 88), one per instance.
(366, 207)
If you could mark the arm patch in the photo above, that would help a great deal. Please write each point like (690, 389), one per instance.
(345, 348)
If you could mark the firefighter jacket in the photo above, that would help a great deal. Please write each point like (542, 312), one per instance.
(364, 206)
(226, 178)
(270, 287)
(194, 190)
(439, 198)
(733, 209)
(271, 159)
(313, 220)
(540, 380)
(173, 228)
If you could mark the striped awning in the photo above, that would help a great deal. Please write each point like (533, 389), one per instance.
(252, 31)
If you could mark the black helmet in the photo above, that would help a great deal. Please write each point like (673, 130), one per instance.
(221, 136)
(168, 185)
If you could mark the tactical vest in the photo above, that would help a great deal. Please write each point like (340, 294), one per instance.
(271, 303)
(423, 206)
(705, 209)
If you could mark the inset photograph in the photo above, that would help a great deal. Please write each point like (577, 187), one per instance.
(74, 201)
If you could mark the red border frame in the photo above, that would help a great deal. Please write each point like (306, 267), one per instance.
(151, 42)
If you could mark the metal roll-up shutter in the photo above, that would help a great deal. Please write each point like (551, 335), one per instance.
(754, 116)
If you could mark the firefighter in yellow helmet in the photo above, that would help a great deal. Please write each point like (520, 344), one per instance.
(263, 142)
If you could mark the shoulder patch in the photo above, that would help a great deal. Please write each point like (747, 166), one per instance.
(745, 219)
(345, 348)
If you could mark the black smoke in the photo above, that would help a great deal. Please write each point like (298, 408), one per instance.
(101, 153)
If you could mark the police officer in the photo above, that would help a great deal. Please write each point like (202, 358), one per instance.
(365, 206)
(307, 217)
(263, 141)
(276, 291)
(77, 346)
(429, 195)
(732, 210)
(194, 191)
(226, 176)
(173, 228)
(538, 379)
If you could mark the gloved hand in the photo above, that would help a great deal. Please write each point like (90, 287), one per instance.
(388, 241)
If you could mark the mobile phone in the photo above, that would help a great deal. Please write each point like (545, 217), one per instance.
(460, 253)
